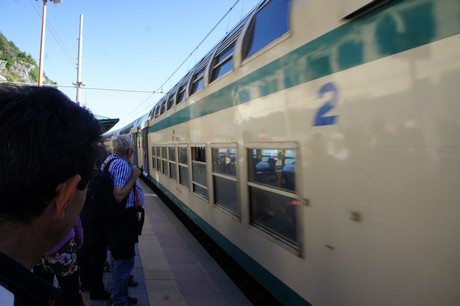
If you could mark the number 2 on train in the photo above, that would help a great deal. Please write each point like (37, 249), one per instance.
(321, 118)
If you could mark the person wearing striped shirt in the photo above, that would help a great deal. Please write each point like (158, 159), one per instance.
(122, 226)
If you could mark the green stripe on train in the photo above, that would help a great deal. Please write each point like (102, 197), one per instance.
(270, 282)
(393, 28)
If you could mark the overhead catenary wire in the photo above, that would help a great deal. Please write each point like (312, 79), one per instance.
(201, 42)
(160, 88)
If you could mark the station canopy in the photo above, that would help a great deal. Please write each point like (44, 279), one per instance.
(106, 123)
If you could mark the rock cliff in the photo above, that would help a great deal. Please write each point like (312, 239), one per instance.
(17, 66)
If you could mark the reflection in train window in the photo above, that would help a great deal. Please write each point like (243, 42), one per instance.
(164, 160)
(181, 94)
(184, 179)
(272, 190)
(275, 168)
(172, 162)
(224, 164)
(199, 180)
(197, 81)
(223, 63)
(269, 23)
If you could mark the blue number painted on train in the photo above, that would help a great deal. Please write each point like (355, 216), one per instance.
(321, 118)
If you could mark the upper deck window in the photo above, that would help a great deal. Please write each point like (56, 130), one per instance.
(157, 110)
(163, 107)
(269, 23)
(224, 63)
(197, 81)
(181, 94)
(170, 101)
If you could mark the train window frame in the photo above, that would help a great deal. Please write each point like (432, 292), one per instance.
(158, 156)
(197, 82)
(183, 166)
(182, 90)
(221, 60)
(224, 60)
(164, 160)
(291, 198)
(170, 103)
(172, 162)
(157, 110)
(197, 152)
(163, 107)
(252, 32)
(154, 158)
(151, 114)
(224, 172)
(181, 94)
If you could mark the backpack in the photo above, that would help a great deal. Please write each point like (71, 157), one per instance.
(100, 202)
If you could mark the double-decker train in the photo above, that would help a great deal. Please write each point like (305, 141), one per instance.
(318, 143)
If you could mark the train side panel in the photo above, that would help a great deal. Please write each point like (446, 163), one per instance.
(369, 107)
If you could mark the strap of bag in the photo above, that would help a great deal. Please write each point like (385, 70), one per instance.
(106, 167)
(136, 195)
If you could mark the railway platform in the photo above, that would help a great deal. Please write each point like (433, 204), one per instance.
(171, 267)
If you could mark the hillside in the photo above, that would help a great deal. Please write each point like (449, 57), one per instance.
(17, 65)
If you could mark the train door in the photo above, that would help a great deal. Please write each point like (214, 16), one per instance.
(145, 150)
(135, 160)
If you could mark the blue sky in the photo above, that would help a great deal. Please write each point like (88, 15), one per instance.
(129, 45)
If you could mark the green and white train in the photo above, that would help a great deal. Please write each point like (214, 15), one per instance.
(319, 144)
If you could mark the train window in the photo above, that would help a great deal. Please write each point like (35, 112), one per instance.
(273, 168)
(163, 107)
(224, 178)
(152, 113)
(181, 94)
(182, 153)
(164, 160)
(172, 162)
(223, 63)
(158, 157)
(170, 102)
(154, 158)
(272, 191)
(269, 23)
(223, 59)
(199, 179)
(157, 110)
(197, 81)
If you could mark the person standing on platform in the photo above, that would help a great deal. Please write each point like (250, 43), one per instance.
(123, 222)
(93, 254)
(62, 261)
(46, 160)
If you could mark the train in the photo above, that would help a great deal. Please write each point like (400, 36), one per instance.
(318, 144)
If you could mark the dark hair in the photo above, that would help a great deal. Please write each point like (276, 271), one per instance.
(101, 155)
(45, 138)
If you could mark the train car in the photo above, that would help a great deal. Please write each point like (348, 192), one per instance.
(318, 144)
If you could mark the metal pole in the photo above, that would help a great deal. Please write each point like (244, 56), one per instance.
(42, 45)
(80, 43)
